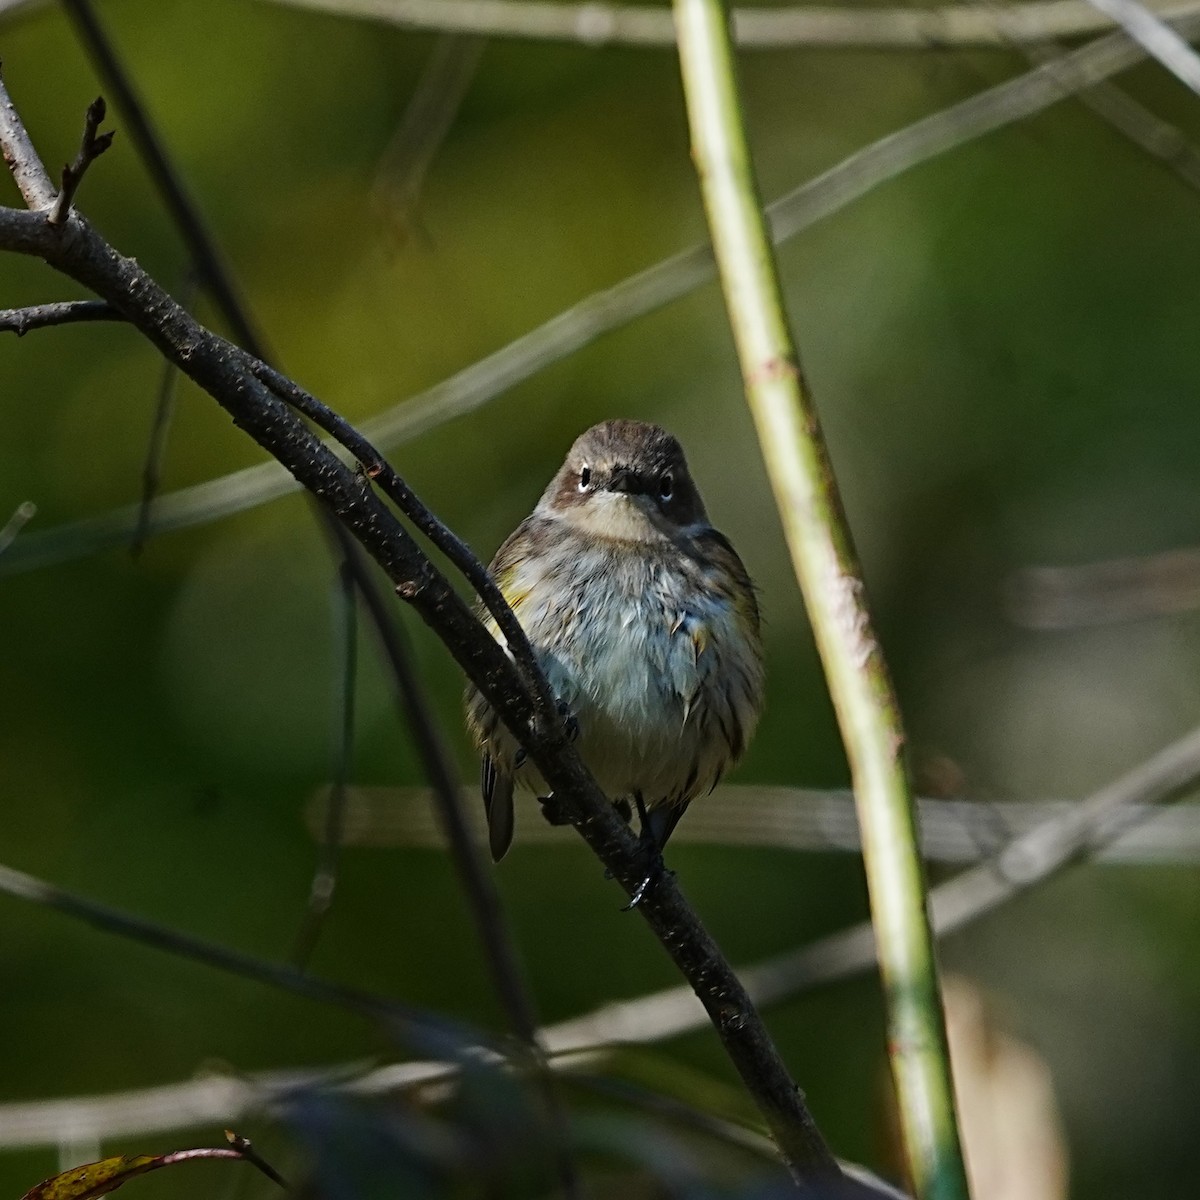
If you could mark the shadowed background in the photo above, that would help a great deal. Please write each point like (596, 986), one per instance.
(1002, 344)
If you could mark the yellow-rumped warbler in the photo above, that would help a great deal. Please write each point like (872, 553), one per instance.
(646, 625)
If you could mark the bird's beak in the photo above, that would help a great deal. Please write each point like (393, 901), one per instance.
(624, 480)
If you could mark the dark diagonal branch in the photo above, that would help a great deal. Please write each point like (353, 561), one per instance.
(246, 1149)
(202, 247)
(79, 252)
(93, 145)
(448, 542)
(156, 448)
(210, 265)
(485, 907)
(417, 1026)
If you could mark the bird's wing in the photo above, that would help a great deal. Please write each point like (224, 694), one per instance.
(497, 787)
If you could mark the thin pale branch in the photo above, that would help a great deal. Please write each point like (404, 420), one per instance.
(802, 820)
(1100, 593)
(1081, 831)
(1156, 37)
(21, 159)
(614, 307)
(64, 312)
(1025, 861)
(600, 24)
(827, 570)
(439, 94)
(11, 530)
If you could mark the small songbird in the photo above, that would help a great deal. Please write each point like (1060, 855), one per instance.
(645, 622)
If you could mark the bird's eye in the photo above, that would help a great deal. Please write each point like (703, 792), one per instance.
(666, 486)
(585, 477)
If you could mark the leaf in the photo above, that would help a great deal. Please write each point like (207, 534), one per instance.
(100, 1178)
(93, 1179)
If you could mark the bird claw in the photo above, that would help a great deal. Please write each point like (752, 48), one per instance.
(657, 870)
(570, 724)
(640, 892)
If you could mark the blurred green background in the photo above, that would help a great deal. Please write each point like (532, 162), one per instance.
(1004, 347)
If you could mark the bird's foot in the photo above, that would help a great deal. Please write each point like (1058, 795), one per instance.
(657, 870)
(652, 850)
(567, 717)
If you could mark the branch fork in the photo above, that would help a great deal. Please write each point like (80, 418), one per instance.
(93, 145)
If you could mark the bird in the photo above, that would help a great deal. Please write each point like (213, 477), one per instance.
(646, 625)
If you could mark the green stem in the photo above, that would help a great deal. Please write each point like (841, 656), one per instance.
(825, 565)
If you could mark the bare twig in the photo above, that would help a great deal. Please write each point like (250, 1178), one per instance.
(449, 543)
(211, 266)
(217, 368)
(613, 307)
(483, 898)
(65, 312)
(156, 448)
(483, 903)
(34, 184)
(419, 1026)
(202, 247)
(22, 515)
(1144, 128)
(1129, 117)
(93, 145)
(603, 24)
(246, 1149)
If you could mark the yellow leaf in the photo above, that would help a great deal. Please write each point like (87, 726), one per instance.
(92, 1179)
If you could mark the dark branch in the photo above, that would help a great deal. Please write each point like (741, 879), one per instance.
(483, 900)
(64, 312)
(449, 543)
(246, 1149)
(212, 269)
(420, 1027)
(219, 369)
(93, 145)
(210, 266)
(200, 243)
(156, 449)
(80, 253)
